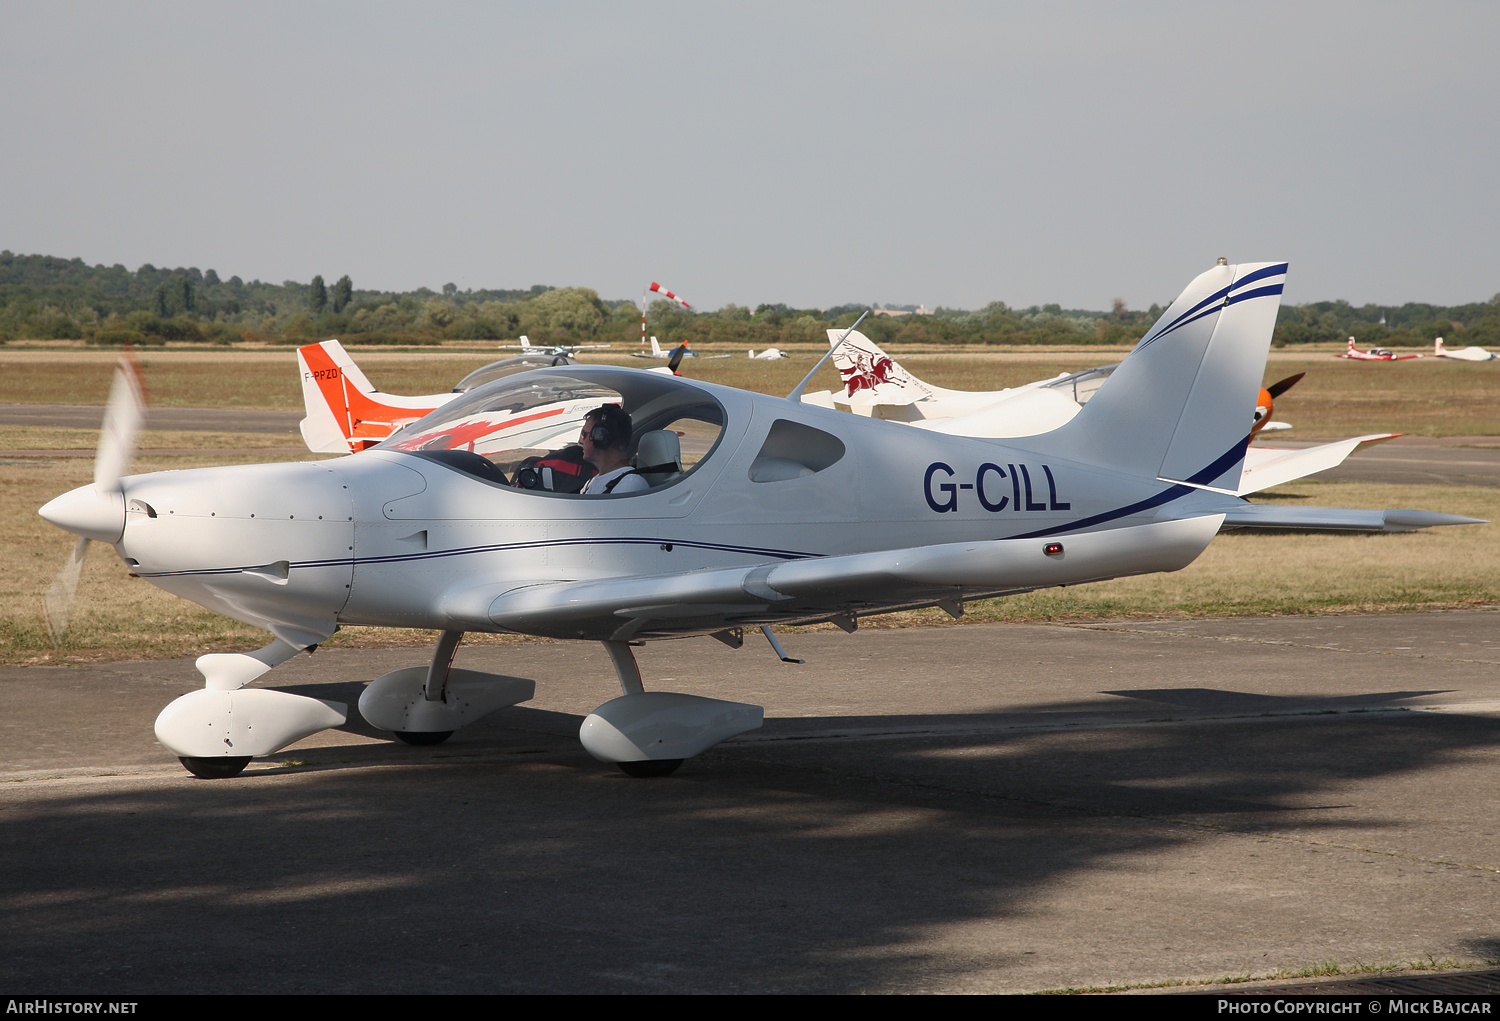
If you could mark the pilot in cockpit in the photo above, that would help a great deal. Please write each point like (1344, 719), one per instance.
(606, 444)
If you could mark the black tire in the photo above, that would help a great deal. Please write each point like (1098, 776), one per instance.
(424, 737)
(220, 767)
(650, 767)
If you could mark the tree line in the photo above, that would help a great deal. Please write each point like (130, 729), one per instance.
(47, 298)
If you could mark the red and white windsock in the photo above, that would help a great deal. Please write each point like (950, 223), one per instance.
(656, 288)
(659, 289)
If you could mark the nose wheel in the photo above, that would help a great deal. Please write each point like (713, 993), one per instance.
(218, 768)
(650, 767)
(424, 737)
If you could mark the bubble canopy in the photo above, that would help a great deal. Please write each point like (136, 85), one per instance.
(489, 431)
(509, 366)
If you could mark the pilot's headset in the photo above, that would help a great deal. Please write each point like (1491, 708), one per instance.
(611, 427)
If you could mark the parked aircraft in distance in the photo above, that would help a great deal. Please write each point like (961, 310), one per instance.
(1463, 354)
(528, 347)
(758, 510)
(1375, 354)
(770, 354)
(674, 356)
(657, 351)
(345, 413)
(876, 384)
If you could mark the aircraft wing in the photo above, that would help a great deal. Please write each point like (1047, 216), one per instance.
(1268, 466)
(804, 588)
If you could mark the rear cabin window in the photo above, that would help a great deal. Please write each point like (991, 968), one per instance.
(793, 451)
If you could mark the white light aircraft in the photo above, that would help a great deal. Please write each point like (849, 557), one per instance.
(1463, 354)
(657, 351)
(768, 511)
(527, 347)
(876, 384)
(674, 356)
(770, 354)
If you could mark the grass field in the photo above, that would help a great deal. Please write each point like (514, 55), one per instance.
(1337, 398)
(118, 617)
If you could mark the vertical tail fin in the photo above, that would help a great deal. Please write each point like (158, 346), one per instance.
(656, 349)
(344, 410)
(327, 372)
(1181, 406)
(864, 367)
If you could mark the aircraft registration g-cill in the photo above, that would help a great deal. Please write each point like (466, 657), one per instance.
(760, 510)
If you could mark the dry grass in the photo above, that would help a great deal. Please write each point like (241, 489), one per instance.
(1337, 398)
(31, 437)
(1431, 397)
(204, 380)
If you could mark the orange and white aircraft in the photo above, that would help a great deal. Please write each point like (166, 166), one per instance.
(876, 385)
(346, 414)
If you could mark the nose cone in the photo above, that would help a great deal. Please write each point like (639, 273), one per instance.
(89, 512)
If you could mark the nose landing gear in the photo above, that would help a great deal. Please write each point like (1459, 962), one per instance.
(221, 768)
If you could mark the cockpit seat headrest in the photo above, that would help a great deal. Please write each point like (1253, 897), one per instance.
(659, 449)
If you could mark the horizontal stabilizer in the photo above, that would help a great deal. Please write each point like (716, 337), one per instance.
(1267, 466)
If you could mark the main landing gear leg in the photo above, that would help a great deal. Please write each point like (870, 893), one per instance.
(626, 667)
(424, 705)
(435, 687)
(629, 673)
(650, 733)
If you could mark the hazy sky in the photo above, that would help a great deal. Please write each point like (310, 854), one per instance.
(816, 154)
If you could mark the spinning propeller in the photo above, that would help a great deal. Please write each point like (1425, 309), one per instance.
(97, 511)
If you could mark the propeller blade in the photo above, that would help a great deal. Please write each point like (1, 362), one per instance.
(123, 417)
(57, 601)
(1277, 389)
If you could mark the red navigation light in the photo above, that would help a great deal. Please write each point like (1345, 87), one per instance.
(1053, 549)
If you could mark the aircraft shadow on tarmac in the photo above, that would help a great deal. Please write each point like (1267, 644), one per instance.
(1216, 700)
(792, 863)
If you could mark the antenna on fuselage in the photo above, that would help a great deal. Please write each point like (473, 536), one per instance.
(796, 394)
